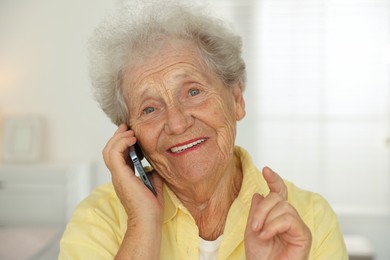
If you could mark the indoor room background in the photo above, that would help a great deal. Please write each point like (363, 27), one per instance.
(317, 96)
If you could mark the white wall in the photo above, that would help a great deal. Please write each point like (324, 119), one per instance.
(43, 71)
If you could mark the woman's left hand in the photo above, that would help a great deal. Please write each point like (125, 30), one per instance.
(274, 229)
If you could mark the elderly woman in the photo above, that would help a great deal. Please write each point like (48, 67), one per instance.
(172, 79)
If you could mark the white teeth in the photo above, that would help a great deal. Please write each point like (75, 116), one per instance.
(183, 147)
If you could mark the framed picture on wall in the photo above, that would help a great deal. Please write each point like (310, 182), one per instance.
(22, 139)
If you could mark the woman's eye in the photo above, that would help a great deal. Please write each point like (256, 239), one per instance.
(148, 110)
(194, 92)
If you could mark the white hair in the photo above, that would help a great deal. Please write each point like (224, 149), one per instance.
(133, 31)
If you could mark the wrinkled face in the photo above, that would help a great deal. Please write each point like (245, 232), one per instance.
(183, 116)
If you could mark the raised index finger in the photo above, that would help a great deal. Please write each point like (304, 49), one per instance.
(275, 182)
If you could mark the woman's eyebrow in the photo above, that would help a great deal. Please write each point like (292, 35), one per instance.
(144, 89)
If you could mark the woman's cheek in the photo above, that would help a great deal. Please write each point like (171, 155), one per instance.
(225, 141)
(226, 129)
(145, 137)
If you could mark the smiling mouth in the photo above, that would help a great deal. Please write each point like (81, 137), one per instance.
(187, 146)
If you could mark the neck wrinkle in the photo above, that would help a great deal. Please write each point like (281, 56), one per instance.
(210, 215)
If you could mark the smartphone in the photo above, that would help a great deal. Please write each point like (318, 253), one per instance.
(140, 169)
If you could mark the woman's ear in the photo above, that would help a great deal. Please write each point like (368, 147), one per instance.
(239, 100)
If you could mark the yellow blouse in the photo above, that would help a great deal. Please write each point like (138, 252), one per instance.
(99, 223)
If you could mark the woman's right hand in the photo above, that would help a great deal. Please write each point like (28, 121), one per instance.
(143, 208)
(274, 228)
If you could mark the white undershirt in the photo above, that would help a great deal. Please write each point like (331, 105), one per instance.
(208, 250)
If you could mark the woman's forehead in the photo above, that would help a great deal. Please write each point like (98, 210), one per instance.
(173, 64)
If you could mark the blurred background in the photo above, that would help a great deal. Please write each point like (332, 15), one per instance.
(318, 111)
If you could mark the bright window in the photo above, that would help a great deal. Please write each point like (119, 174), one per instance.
(318, 96)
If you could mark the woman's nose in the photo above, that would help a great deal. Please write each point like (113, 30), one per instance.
(177, 121)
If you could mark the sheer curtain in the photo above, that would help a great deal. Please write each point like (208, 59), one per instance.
(322, 100)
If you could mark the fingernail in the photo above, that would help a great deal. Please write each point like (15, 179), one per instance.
(255, 225)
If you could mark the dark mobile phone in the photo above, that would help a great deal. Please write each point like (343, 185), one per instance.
(140, 169)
